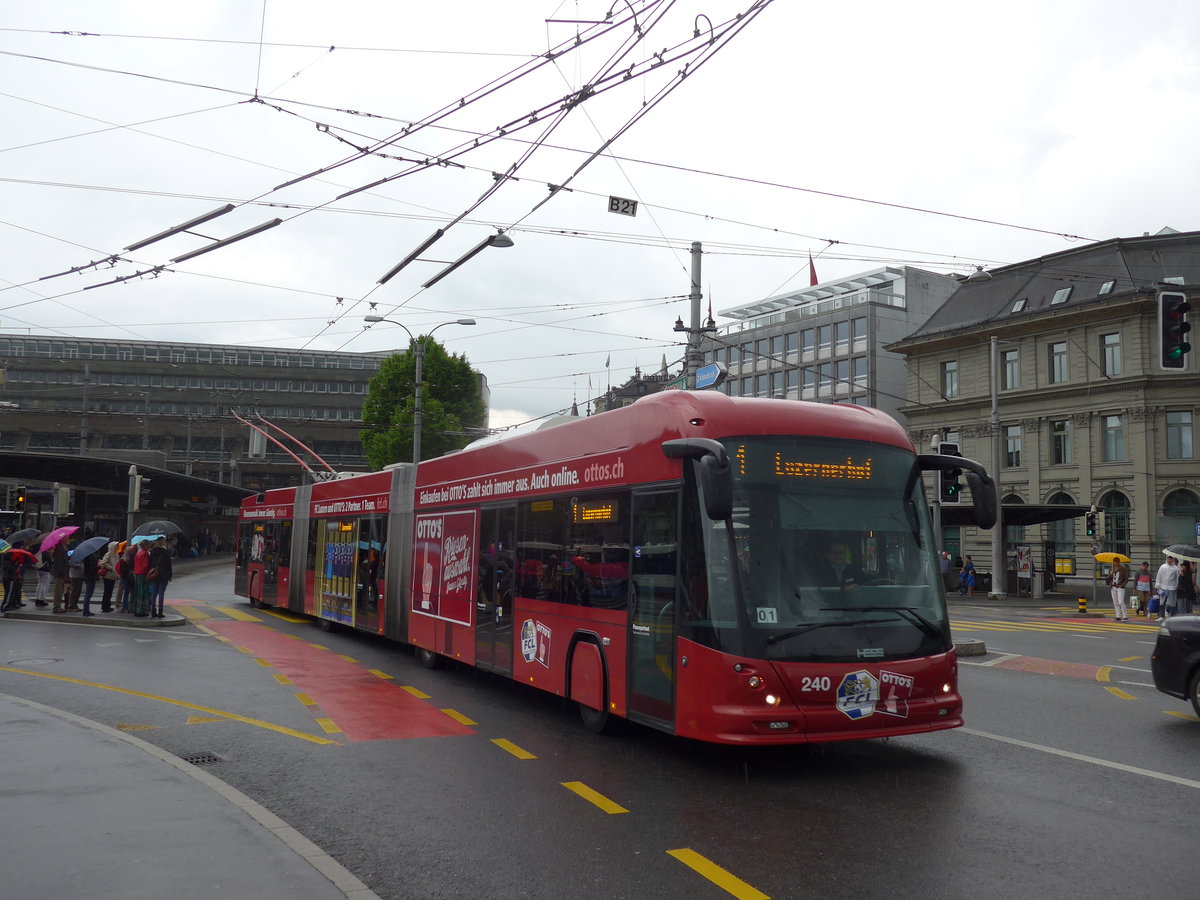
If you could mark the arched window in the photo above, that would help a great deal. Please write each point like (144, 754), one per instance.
(1116, 523)
(1014, 535)
(1182, 505)
(1062, 532)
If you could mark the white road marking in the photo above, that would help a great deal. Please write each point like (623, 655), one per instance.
(1079, 757)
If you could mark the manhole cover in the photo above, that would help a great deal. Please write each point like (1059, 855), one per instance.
(35, 661)
(200, 759)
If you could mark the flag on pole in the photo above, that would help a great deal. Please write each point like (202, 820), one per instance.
(812, 272)
(607, 360)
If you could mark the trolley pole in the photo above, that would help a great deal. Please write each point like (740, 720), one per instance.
(694, 358)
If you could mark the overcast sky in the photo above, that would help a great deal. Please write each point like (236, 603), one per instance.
(939, 134)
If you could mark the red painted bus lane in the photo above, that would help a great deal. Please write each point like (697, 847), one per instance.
(1049, 667)
(364, 707)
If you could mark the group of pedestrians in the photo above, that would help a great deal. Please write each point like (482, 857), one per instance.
(1171, 591)
(133, 578)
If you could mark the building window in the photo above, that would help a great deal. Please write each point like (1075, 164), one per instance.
(1182, 505)
(807, 340)
(824, 338)
(1011, 370)
(1058, 362)
(825, 377)
(841, 337)
(1114, 438)
(776, 345)
(1019, 305)
(1060, 442)
(1116, 522)
(950, 379)
(1179, 434)
(860, 371)
(1012, 446)
(1106, 288)
(1110, 353)
(793, 380)
(858, 330)
(792, 341)
(810, 378)
(762, 388)
(1060, 296)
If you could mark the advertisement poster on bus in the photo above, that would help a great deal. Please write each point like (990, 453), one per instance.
(443, 566)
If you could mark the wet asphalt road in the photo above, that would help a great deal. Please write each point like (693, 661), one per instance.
(1059, 785)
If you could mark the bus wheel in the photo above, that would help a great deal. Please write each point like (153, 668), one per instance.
(428, 658)
(326, 624)
(253, 603)
(597, 721)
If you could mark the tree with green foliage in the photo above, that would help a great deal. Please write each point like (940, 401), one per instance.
(452, 412)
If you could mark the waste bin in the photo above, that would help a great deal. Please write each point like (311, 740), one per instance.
(983, 582)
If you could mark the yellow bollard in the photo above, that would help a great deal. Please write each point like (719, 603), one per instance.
(1082, 605)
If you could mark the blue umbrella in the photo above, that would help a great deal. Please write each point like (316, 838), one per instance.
(88, 547)
(143, 538)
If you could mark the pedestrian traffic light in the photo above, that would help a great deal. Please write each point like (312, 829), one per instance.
(19, 505)
(1172, 330)
(949, 486)
(1090, 521)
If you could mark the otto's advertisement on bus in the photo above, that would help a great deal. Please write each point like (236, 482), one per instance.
(443, 566)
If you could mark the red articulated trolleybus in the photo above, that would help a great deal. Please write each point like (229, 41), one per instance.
(740, 571)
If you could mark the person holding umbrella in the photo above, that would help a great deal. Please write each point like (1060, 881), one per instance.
(1118, 577)
(159, 575)
(1167, 581)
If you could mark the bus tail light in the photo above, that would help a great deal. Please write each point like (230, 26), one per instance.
(756, 682)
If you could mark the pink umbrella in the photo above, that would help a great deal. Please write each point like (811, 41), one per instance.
(57, 536)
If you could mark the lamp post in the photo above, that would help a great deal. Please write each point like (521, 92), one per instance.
(419, 351)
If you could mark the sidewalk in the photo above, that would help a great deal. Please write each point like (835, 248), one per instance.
(182, 566)
(91, 811)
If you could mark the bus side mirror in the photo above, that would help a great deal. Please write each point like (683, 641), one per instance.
(716, 475)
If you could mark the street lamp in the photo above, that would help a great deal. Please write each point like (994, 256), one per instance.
(420, 357)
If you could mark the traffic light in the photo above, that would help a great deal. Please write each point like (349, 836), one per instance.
(1172, 330)
(19, 505)
(949, 486)
(1090, 521)
(141, 493)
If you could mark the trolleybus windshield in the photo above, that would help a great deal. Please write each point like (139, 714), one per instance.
(834, 554)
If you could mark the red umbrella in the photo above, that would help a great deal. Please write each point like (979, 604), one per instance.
(20, 555)
(57, 536)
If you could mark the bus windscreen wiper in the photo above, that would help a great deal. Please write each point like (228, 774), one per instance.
(796, 632)
(921, 622)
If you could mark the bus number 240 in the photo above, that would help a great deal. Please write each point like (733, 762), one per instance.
(815, 683)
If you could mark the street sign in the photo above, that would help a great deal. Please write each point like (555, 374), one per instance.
(711, 376)
(622, 206)
(676, 384)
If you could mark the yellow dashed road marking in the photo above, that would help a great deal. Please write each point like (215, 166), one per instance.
(379, 674)
(305, 699)
(265, 663)
(1117, 692)
(347, 658)
(191, 613)
(458, 717)
(235, 613)
(512, 748)
(329, 726)
(723, 879)
(416, 692)
(282, 679)
(1171, 712)
(594, 797)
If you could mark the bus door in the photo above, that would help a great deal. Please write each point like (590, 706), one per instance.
(494, 593)
(652, 567)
